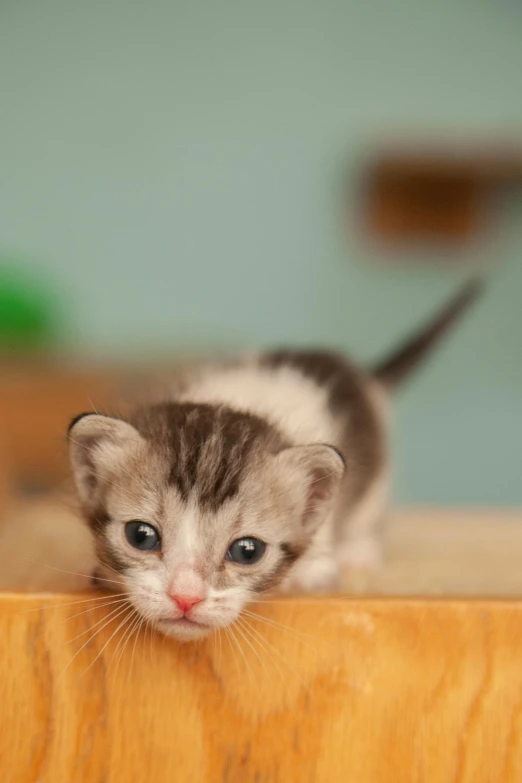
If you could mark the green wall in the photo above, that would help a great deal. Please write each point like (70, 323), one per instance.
(176, 167)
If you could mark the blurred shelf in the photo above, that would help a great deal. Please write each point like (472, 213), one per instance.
(438, 194)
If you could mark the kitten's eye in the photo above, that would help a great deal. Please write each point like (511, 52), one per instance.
(142, 536)
(246, 551)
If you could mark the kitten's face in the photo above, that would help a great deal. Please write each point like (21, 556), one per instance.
(191, 556)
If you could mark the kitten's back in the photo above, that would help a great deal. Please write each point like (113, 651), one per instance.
(305, 395)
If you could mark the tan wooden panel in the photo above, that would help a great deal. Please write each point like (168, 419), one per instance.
(36, 405)
(38, 400)
(365, 691)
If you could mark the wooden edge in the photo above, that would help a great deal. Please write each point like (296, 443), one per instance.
(302, 601)
(310, 689)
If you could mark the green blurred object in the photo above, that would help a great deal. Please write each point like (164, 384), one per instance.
(29, 313)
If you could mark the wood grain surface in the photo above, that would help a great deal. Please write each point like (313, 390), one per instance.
(333, 689)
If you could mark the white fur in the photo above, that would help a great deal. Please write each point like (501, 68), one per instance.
(283, 396)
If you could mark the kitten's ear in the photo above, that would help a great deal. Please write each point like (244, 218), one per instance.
(316, 472)
(96, 444)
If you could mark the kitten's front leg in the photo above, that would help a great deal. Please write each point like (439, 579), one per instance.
(364, 553)
(313, 573)
(360, 534)
(358, 560)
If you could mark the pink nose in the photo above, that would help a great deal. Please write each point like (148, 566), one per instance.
(186, 602)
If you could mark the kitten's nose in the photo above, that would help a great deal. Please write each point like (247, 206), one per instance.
(186, 602)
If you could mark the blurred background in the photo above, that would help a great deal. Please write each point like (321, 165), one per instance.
(185, 178)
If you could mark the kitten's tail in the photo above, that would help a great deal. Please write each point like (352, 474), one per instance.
(394, 369)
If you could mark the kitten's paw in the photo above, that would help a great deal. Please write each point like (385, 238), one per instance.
(321, 576)
(360, 554)
(358, 561)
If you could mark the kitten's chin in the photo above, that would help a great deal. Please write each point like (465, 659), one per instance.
(184, 630)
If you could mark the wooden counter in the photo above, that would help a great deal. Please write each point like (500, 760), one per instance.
(338, 689)
(346, 688)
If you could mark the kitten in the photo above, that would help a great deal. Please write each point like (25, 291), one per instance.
(268, 474)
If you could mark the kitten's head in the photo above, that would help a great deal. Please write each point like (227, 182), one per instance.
(198, 508)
